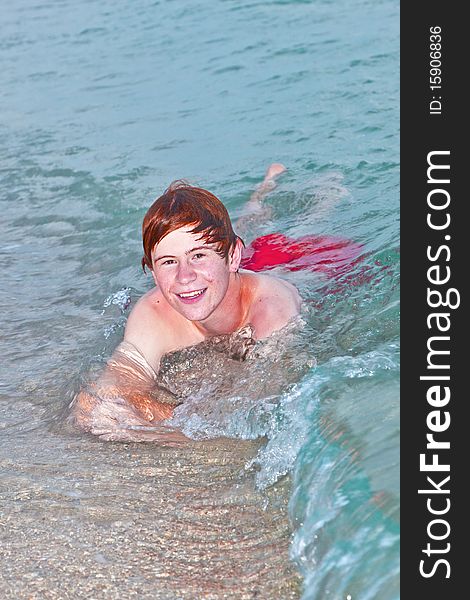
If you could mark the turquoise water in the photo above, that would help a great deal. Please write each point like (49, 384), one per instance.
(103, 104)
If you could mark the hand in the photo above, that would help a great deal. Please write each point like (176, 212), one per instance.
(237, 344)
(111, 407)
(150, 408)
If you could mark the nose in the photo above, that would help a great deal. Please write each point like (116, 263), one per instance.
(186, 274)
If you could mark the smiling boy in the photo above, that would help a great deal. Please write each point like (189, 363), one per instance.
(194, 256)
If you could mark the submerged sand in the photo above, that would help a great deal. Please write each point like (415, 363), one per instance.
(86, 518)
(82, 518)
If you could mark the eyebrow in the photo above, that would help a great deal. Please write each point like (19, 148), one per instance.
(187, 252)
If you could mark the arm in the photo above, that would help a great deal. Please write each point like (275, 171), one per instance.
(126, 394)
(255, 211)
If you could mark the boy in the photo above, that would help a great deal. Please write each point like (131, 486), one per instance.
(200, 294)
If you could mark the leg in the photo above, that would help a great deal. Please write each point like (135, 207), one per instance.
(254, 211)
(268, 183)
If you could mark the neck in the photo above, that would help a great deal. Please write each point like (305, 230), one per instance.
(231, 313)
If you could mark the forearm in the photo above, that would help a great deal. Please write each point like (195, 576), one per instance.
(126, 393)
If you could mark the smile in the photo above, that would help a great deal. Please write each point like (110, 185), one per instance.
(191, 296)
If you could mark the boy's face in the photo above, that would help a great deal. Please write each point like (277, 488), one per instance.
(191, 275)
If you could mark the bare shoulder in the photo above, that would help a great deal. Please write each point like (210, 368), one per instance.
(274, 302)
(148, 311)
(147, 328)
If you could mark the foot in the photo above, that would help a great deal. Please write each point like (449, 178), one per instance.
(274, 171)
(268, 183)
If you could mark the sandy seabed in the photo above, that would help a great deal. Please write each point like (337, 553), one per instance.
(81, 518)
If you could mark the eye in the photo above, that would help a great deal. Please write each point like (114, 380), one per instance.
(198, 255)
(169, 261)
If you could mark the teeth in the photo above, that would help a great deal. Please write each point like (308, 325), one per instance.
(191, 294)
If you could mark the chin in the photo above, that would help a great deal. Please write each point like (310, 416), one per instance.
(196, 314)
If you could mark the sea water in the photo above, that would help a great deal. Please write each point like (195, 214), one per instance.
(102, 105)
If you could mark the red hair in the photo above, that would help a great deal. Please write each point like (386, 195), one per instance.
(182, 205)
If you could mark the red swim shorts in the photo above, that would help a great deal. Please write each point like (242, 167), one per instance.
(321, 253)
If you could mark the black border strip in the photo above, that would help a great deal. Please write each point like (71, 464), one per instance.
(433, 128)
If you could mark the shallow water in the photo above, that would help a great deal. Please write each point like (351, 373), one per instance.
(296, 478)
(156, 522)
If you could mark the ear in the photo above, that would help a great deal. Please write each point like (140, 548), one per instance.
(235, 256)
(153, 275)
